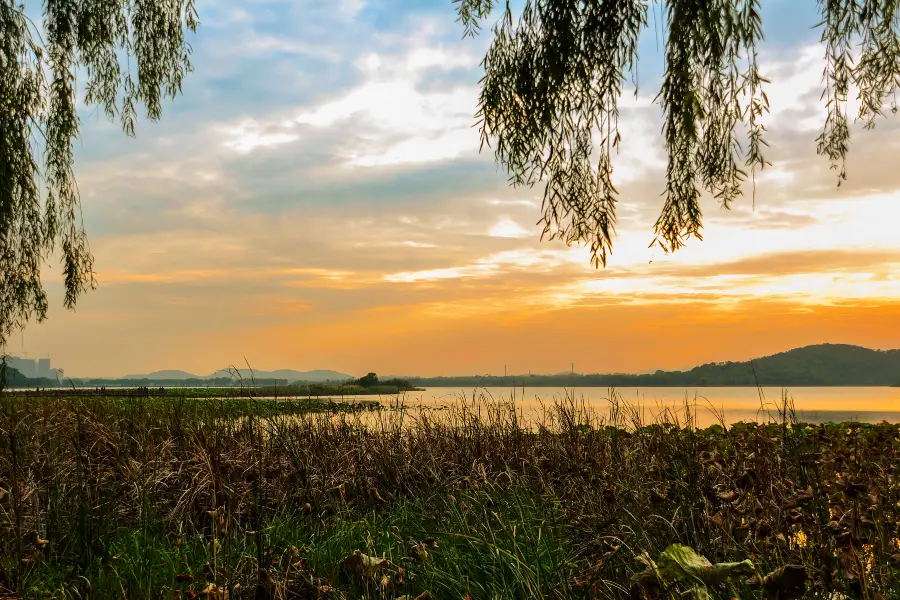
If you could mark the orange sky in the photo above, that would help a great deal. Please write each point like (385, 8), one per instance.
(352, 225)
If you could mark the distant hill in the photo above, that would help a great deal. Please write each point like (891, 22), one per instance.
(165, 374)
(822, 364)
(281, 374)
(15, 379)
(316, 376)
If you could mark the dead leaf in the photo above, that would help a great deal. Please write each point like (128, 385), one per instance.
(363, 565)
(747, 479)
(609, 494)
(418, 552)
(342, 492)
(854, 489)
(763, 530)
(376, 496)
(728, 496)
(786, 583)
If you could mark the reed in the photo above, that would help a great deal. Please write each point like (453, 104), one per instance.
(176, 498)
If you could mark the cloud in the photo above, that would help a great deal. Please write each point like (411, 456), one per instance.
(795, 88)
(507, 228)
(393, 121)
(320, 180)
(268, 44)
(351, 7)
(527, 203)
(524, 260)
(798, 262)
(249, 135)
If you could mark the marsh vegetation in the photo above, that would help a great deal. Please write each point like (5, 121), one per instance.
(161, 498)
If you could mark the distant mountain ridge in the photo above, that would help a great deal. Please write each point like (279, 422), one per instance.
(816, 365)
(318, 375)
(315, 376)
(165, 374)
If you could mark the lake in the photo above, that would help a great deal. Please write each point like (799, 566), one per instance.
(709, 404)
(731, 404)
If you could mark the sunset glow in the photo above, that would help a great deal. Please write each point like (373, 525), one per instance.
(320, 201)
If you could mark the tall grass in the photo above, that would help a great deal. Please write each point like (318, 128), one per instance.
(156, 497)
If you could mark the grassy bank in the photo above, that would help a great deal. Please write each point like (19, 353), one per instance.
(234, 391)
(108, 498)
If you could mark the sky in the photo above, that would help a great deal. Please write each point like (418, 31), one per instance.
(316, 198)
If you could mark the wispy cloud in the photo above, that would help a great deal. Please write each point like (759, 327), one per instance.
(250, 135)
(507, 228)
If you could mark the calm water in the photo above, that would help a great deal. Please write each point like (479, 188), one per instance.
(812, 404)
(709, 404)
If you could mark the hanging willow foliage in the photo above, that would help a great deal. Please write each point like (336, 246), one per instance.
(554, 75)
(131, 52)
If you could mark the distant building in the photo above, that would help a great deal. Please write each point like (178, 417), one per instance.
(43, 368)
(30, 367)
(25, 366)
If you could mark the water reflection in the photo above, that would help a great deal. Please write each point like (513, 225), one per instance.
(699, 407)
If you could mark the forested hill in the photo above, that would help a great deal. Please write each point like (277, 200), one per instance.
(823, 364)
(16, 379)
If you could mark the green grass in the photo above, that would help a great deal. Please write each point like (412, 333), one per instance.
(487, 542)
